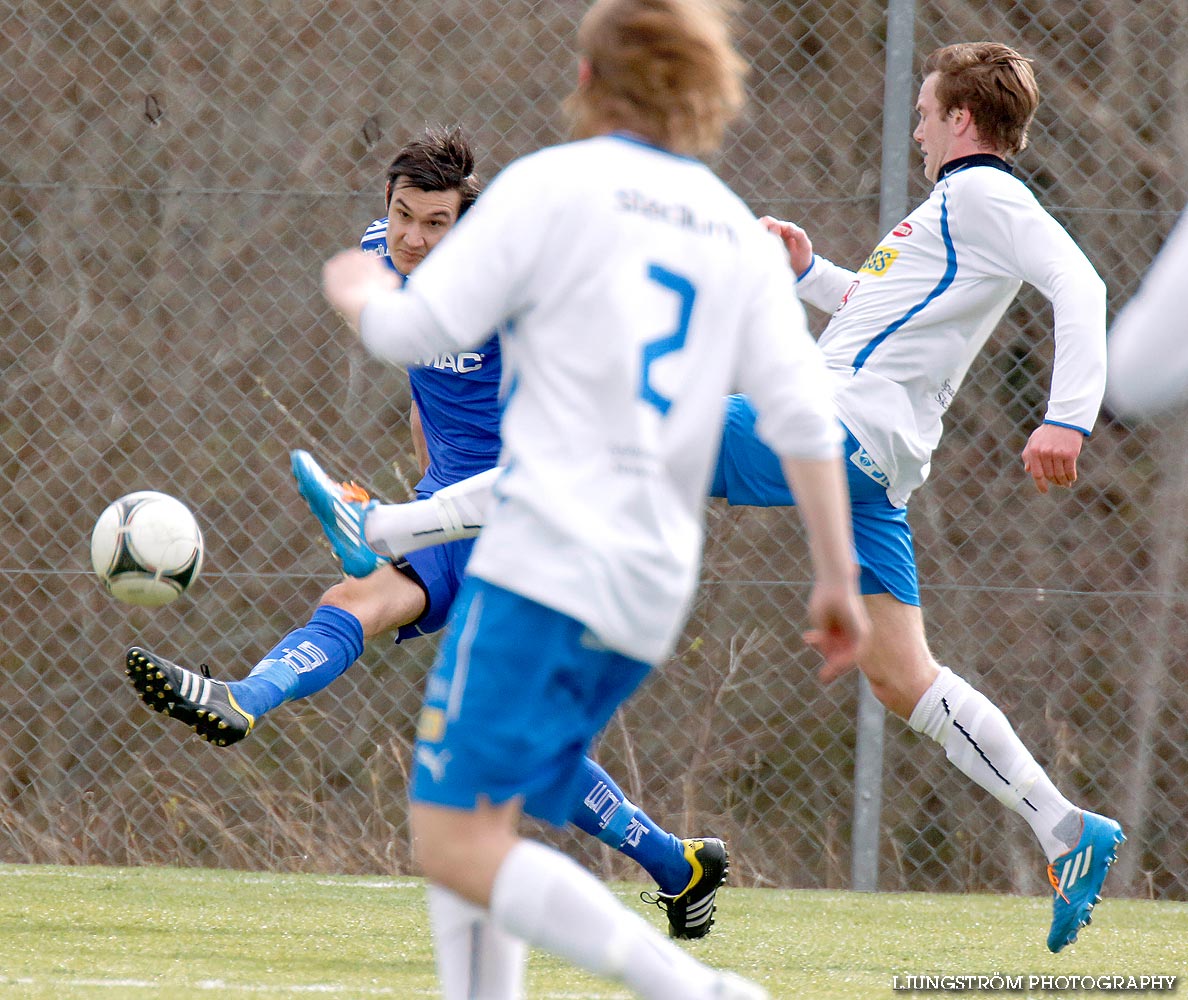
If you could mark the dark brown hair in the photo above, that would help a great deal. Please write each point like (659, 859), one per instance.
(439, 160)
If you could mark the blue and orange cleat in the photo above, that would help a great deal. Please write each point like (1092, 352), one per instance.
(1077, 878)
(340, 508)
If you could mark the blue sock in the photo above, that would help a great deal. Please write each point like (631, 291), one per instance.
(304, 661)
(603, 811)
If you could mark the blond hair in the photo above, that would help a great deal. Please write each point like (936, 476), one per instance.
(995, 83)
(664, 69)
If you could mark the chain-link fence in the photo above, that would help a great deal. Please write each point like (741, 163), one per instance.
(172, 177)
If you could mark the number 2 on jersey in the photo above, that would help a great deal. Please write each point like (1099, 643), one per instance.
(669, 342)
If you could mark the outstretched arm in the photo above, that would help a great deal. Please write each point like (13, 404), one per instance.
(820, 282)
(394, 325)
(351, 278)
(1013, 233)
(795, 240)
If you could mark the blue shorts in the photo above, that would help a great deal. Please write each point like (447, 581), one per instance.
(512, 704)
(439, 571)
(748, 473)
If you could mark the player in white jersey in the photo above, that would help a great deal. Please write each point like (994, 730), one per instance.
(1148, 344)
(637, 290)
(905, 329)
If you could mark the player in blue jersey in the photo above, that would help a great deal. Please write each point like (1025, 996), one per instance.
(455, 417)
(905, 328)
(640, 290)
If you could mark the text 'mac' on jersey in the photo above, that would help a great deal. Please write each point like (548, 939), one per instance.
(457, 396)
(907, 325)
(640, 291)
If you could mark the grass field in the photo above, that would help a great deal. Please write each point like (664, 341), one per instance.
(173, 934)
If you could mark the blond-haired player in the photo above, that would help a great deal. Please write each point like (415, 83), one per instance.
(638, 290)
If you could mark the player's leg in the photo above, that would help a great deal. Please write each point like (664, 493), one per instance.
(903, 675)
(476, 958)
(454, 512)
(902, 672)
(977, 737)
(687, 872)
(478, 756)
(306, 660)
(748, 473)
(363, 532)
(351, 614)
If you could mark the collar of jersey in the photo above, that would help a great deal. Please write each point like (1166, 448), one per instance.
(639, 140)
(974, 160)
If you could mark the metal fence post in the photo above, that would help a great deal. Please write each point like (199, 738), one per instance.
(897, 104)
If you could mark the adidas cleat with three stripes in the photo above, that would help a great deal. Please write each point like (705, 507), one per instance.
(1077, 878)
(340, 508)
(691, 911)
(206, 706)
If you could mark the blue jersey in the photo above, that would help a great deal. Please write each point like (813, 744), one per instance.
(457, 396)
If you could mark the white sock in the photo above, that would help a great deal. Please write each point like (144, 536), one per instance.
(979, 740)
(552, 903)
(476, 960)
(453, 512)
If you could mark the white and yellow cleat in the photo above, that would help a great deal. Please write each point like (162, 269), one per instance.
(691, 911)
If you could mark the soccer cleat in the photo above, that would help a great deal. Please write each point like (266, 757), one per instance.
(691, 911)
(340, 508)
(205, 705)
(1077, 877)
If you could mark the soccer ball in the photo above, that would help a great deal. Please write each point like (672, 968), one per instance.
(146, 548)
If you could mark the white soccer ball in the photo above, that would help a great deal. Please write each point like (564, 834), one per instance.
(146, 548)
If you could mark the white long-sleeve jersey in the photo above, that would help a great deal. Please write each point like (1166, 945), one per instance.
(909, 323)
(639, 291)
(1148, 343)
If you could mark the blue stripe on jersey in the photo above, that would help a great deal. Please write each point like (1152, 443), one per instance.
(1071, 427)
(513, 384)
(375, 240)
(945, 281)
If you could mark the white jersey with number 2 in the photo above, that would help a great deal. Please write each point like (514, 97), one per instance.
(638, 291)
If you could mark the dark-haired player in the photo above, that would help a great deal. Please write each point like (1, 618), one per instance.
(431, 184)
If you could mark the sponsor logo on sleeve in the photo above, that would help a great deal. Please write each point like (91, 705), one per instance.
(879, 262)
